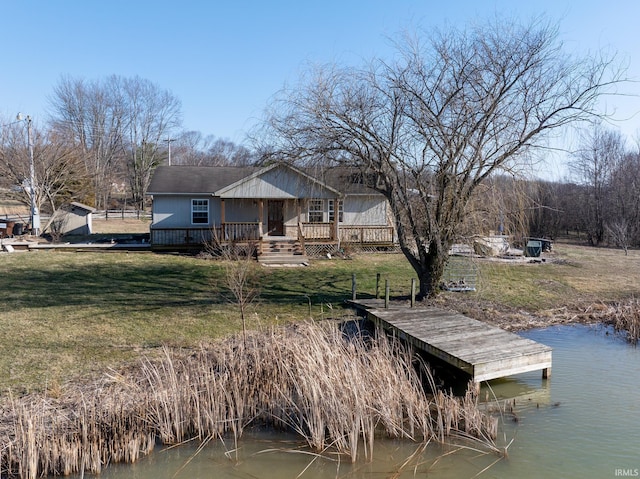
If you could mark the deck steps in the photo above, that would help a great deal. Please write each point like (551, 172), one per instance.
(282, 252)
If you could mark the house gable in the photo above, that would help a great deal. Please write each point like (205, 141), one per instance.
(278, 181)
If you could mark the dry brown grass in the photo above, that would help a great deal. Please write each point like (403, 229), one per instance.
(119, 225)
(575, 284)
(338, 395)
(624, 316)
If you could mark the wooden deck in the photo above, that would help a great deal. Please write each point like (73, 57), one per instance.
(483, 351)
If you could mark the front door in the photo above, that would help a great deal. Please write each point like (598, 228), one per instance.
(275, 217)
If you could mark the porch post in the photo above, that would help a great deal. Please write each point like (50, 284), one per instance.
(299, 231)
(260, 217)
(336, 216)
(223, 236)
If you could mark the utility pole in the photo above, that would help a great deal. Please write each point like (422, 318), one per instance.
(169, 140)
(35, 215)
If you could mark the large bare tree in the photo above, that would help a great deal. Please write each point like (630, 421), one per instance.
(120, 124)
(428, 128)
(92, 115)
(152, 114)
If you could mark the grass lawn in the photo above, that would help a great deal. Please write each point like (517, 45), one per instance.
(67, 314)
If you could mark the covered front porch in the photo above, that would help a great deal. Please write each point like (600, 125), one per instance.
(254, 231)
(265, 219)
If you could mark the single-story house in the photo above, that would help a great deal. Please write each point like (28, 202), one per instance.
(191, 204)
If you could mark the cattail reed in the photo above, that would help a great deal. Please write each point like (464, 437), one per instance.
(336, 393)
(625, 318)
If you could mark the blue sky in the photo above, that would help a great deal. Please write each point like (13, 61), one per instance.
(225, 59)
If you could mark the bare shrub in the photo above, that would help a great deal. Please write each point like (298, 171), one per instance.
(57, 225)
(240, 272)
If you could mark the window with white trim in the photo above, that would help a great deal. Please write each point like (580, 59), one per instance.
(200, 211)
(332, 211)
(316, 211)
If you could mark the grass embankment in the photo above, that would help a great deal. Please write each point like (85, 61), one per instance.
(571, 276)
(65, 314)
(574, 284)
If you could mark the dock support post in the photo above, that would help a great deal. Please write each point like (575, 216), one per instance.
(353, 286)
(475, 387)
(413, 292)
(546, 373)
(386, 294)
(377, 285)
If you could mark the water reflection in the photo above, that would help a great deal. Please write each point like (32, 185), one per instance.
(262, 456)
(582, 423)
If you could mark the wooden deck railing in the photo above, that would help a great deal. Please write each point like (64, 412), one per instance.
(196, 235)
(301, 237)
(316, 231)
(349, 234)
(238, 231)
(251, 231)
(367, 234)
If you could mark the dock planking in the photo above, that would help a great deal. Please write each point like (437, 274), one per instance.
(481, 350)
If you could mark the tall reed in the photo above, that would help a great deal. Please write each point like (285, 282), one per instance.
(625, 318)
(339, 394)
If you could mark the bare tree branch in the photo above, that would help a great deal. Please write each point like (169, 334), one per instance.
(439, 121)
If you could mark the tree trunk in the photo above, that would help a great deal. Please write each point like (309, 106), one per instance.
(430, 271)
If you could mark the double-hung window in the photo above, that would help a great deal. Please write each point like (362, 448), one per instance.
(200, 211)
(316, 211)
(332, 211)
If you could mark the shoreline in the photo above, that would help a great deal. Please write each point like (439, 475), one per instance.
(623, 316)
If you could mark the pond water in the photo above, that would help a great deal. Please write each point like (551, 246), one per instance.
(582, 423)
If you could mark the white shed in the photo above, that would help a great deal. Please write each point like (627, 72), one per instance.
(76, 219)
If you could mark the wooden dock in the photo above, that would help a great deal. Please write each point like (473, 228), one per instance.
(483, 351)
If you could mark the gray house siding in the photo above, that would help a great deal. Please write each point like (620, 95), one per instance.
(365, 210)
(239, 210)
(175, 211)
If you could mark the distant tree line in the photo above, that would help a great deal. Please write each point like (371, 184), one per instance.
(601, 202)
(598, 203)
(101, 142)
